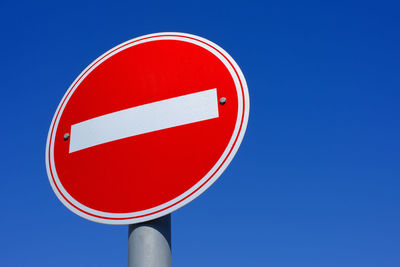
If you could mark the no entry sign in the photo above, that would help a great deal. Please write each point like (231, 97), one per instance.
(146, 128)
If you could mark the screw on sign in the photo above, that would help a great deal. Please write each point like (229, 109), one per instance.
(146, 128)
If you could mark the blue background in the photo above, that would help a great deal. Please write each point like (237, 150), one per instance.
(316, 180)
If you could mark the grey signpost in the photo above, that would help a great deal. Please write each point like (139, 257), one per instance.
(149, 243)
(173, 102)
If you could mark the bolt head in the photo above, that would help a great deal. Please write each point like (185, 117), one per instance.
(222, 100)
(66, 136)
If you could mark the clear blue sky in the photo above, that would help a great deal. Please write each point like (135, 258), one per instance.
(316, 181)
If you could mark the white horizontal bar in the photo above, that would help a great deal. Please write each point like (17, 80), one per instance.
(144, 119)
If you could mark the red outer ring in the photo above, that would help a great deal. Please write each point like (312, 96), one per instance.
(139, 216)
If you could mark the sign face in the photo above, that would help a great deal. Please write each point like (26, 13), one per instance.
(146, 128)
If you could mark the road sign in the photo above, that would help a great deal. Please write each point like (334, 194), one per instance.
(146, 128)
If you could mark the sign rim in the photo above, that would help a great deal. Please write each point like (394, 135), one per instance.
(214, 173)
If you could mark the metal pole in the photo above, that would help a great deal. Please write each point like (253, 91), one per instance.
(149, 243)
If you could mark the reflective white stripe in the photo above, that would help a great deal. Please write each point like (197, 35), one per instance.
(144, 119)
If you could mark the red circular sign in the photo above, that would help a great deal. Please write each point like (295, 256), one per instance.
(146, 128)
